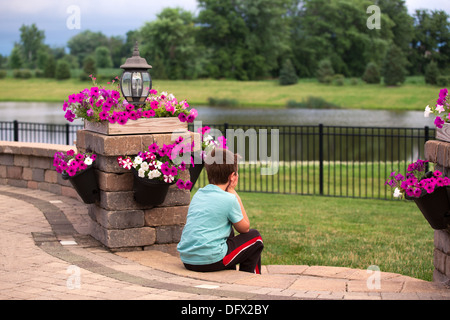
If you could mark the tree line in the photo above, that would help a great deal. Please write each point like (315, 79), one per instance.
(260, 39)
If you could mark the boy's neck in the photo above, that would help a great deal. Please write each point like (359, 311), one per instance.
(222, 186)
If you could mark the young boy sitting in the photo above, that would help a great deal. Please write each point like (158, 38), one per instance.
(208, 242)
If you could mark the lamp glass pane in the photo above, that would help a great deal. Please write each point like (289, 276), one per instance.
(126, 84)
(136, 84)
(146, 84)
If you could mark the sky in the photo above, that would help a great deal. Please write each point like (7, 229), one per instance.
(63, 19)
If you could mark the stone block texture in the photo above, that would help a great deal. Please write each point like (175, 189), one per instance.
(438, 152)
(119, 222)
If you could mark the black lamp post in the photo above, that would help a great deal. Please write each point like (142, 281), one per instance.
(135, 82)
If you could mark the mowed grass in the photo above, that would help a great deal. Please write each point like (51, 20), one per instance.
(413, 95)
(354, 233)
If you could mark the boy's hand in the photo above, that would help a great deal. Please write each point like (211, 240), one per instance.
(232, 183)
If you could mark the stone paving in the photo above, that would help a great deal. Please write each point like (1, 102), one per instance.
(47, 254)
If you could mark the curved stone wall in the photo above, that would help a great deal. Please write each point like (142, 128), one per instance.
(30, 165)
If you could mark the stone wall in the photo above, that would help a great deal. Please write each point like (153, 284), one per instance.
(119, 222)
(438, 152)
(30, 165)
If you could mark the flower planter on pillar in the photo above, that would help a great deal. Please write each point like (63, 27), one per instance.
(139, 126)
(435, 207)
(443, 134)
(149, 192)
(85, 183)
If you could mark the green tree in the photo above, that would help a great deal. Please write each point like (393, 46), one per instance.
(50, 66)
(85, 43)
(31, 39)
(431, 40)
(336, 30)
(89, 68)
(244, 39)
(432, 73)
(325, 71)
(103, 57)
(287, 74)
(168, 44)
(372, 74)
(394, 68)
(62, 70)
(15, 58)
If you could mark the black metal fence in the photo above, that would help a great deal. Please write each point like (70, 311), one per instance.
(323, 160)
(39, 132)
(309, 160)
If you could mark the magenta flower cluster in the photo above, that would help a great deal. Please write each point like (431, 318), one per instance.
(72, 163)
(415, 183)
(441, 109)
(157, 163)
(97, 104)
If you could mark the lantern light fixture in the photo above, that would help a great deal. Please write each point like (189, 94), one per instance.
(135, 82)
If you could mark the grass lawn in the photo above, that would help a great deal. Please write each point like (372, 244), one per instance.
(413, 95)
(355, 233)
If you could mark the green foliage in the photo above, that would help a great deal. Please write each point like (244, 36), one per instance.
(372, 74)
(22, 74)
(2, 74)
(168, 43)
(431, 73)
(312, 103)
(31, 39)
(50, 66)
(15, 59)
(245, 38)
(287, 74)
(89, 68)
(62, 70)
(222, 102)
(443, 81)
(103, 57)
(394, 71)
(325, 71)
(248, 40)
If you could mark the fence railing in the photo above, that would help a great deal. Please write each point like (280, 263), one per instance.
(39, 132)
(327, 160)
(310, 160)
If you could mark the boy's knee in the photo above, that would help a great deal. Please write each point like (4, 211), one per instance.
(255, 234)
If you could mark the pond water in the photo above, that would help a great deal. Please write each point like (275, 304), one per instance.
(41, 112)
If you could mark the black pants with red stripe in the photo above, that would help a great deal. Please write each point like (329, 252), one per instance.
(244, 249)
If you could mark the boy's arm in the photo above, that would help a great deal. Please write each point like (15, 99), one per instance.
(242, 226)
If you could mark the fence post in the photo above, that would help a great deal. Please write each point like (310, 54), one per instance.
(16, 130)
(321, 159)
(67, 134)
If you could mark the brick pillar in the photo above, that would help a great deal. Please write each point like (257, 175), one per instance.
(439, 152)
(117, 220)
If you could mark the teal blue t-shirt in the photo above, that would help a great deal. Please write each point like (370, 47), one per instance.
(208, 225)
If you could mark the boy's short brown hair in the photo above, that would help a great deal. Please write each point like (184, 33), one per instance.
(220, 163)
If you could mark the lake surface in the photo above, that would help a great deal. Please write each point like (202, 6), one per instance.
(41, 112)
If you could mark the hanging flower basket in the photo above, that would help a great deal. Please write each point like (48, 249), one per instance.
(435, 207)
(149, 192)
(85, 183)
(77, 168)
(428, 190)
(195, 169)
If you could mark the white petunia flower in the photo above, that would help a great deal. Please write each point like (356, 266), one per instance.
(141, 173)
(427, 112)
(397, 193)
(88, 161)
(144, 166)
